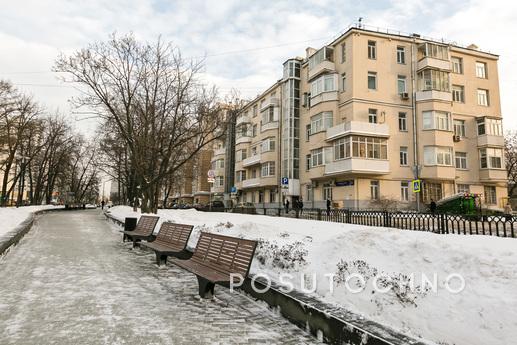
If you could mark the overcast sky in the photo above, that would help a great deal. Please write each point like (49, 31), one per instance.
(245, 42)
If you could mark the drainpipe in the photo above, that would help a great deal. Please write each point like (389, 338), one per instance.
(414, 115)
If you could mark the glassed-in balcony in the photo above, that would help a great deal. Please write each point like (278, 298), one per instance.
(490, 140)
(219, 152)
(270, 102)
(359, 128)
(242, 119)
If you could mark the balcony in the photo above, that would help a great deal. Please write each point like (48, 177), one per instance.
(438, 172)
(268, 126)
(243, 139)
(242, 119)
(270, 102)
(219, 152)
(434, 63)
(433, 95)
(253, 160)
(358, 166)
(324, 97)
(252, 182)
(323, 67)
(493, 175)
(358, 127)
(490, 140)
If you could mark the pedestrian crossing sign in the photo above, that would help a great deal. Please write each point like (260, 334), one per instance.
(417, 185)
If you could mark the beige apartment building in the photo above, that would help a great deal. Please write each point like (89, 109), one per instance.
(360, 118)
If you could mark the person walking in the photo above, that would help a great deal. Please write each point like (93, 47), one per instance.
(300, 205)
(432, 206)
(102, 204)
(328, 206)
(286, 205)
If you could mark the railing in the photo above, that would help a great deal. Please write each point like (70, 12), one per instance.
(500, 225)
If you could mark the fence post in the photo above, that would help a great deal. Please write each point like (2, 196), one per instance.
(279, 211)
(319, 213)
(265, 211)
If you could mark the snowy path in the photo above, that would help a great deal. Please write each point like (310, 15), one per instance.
(72, 281)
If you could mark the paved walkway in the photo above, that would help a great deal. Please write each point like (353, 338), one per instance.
(71, 280)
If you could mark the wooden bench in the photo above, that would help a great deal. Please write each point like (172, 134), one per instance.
(143, 231)
(171, 241)
(215, 258)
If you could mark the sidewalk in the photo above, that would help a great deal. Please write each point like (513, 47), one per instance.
(71, 280)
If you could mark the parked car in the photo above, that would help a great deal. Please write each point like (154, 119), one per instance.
(216, 206)
(185, 206)
(244, 207)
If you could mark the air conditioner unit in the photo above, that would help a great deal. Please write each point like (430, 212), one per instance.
(456, 138)
(404, 95)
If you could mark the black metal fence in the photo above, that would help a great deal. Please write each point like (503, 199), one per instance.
(501, 225)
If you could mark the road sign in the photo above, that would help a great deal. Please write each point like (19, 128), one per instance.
(234, 189)
(285, 181)
(211, 180)
(211, 173)
(417, 186)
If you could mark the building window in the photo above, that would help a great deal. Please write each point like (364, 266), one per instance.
(343, 82)
(268, 169)
(402, 122)
(481, 70)
(253, 173)
(320, 122)
(307, 132)
(219, 164)
(436, 120)
(403, 155)
(463, 188)
(327, 191)
(308, 162)
(483, 97)
(401, 55)
(438, 155)
(325, 53)
(374, 190)
(433, 50)
(325, 83)
(255, 110)
(491, 158)
(458, 93)
(431, 79)
(268, 144)
(268, 115)
(254, 150)
(254, 131)
(219, 181)
(461, 160)
(404, 191)
(241, 175)
(343, 52)
(361, 147)
(401, 84)
(457, 65)
(372, 80)
(489, 126)
(372, 50)
(432, 192)
(372, 115)
(317, 157)
(490, 195)
(459, 128)
(272, 195)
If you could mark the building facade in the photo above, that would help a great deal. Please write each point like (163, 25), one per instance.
(357, 120)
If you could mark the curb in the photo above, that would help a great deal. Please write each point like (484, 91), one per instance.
(329, 323)
(14, 236)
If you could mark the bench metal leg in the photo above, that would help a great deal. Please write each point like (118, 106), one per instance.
(136, 243)
(206, 288)
(160, 259)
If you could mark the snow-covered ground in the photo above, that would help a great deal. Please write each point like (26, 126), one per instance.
(485, 312)
(11, 217)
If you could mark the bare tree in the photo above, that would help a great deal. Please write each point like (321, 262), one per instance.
(154, 99)
(510, 154)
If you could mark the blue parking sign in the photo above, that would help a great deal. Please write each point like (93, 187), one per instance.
(285, 180)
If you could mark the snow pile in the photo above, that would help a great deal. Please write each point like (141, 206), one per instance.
(316, 253)
(11, 217)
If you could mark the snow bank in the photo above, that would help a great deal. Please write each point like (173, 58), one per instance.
(11, 217)
(485, 312)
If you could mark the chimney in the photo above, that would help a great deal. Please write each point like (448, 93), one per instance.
(473, 46)
(309, 51)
